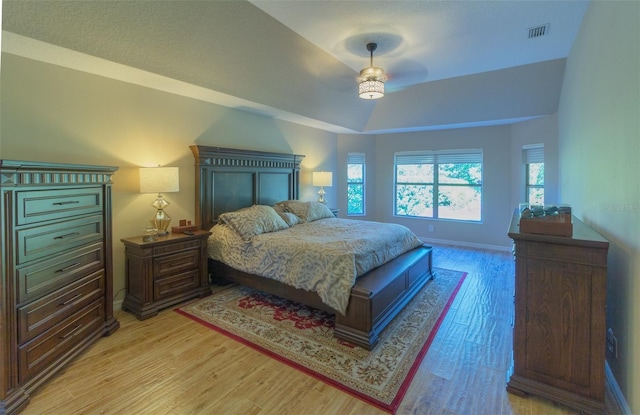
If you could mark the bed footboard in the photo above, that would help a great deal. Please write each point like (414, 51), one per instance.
(381, 294)
(376, 298)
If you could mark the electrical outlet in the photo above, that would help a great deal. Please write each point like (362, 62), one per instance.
(612, 343)
(430, 228)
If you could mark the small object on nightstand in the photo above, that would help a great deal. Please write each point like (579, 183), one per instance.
(187, 232)
(149, 234)
(185, 225)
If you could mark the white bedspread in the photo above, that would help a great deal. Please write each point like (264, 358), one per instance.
(324, 256)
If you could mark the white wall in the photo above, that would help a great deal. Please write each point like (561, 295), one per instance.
(503, 176)
(599, 154)
(55, 114)
(496, 209)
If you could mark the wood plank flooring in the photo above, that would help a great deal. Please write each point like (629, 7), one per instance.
(171, 365)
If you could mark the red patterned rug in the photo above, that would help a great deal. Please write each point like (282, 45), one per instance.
(302, 337)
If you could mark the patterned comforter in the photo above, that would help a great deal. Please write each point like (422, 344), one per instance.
(325, 256)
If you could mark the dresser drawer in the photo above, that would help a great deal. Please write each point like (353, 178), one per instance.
(44, 277)
(42, 205)
(39, 242)
(566, 253)
(176, 284)
(45, 350)
(168, 265)
(40, 315)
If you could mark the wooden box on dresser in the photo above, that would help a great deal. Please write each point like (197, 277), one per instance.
(56, 286)
(559, 327)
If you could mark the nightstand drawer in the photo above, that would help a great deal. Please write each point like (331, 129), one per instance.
(40, 315)
(41, 205)
(44, 350)
(44, 277)
(176, 284)
(176, 246)
(175, 263)
(39, 242)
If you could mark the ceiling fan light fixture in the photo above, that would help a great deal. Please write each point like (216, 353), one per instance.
(371, 79)
(371, 89)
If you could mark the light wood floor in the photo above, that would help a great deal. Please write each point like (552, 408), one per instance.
(172, 365)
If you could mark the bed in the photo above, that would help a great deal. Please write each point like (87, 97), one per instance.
(228, 180)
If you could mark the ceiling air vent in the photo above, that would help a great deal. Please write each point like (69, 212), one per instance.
(538, 31)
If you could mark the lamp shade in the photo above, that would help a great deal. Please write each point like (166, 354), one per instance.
(159, 179)
(371, 89)
(322, 178)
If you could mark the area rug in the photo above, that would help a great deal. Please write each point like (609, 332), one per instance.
(302, 337)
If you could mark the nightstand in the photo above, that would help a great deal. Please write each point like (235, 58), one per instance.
(164, 272)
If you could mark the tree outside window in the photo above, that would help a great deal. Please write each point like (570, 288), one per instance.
(355, 184)
(444, 184)
(534, 173)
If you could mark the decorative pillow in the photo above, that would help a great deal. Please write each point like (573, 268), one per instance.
(254, 220)
(286, 202)
(279, 208)
(319, 210)
(308, 211)
(289, 218)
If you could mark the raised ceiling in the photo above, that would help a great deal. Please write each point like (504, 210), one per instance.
(452, 63)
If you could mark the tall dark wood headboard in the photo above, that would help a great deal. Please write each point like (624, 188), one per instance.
(229, 179)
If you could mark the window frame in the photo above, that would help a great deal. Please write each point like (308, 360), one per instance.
(436, 158)
(532, 154)
(357, 158)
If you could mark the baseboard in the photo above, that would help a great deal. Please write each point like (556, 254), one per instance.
(117, 305)
(618, 403)
(465, 244)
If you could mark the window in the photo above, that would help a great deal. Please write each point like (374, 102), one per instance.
(534, 173)
(355, 184)
(443, 184)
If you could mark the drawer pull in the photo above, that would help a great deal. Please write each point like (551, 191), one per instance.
(70, 300)
(70, 202)
(70, 333)
(68, 235)
(67, 268)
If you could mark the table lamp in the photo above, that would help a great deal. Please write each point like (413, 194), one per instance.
(160, 180)
(322, 179)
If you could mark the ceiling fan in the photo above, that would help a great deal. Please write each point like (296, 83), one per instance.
(371, 80)
(374, 81)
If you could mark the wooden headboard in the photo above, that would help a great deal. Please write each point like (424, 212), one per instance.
(229, 179)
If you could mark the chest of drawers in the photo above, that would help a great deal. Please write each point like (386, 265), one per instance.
(56, 270)
(559, 328)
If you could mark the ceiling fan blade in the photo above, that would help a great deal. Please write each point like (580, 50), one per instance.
(405, 73)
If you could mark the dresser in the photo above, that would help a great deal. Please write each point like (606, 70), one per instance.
(56, 270)
(165, 271)
(559, 325)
